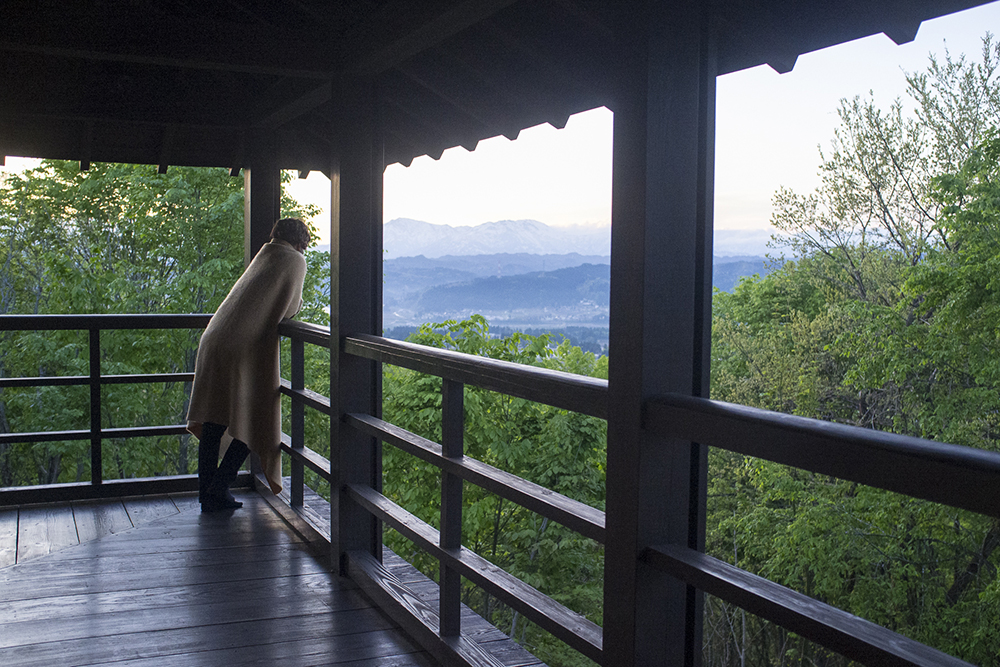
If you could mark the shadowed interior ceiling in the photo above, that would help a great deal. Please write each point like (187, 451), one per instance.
(197, 82)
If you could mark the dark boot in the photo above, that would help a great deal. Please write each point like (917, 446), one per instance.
(218, 496)
(208, 456)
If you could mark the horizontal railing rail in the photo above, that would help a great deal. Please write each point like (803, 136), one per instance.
(95, 379)
(939, 472)
(954, 475)
(578, 393)
(837, 630)
(564, 390)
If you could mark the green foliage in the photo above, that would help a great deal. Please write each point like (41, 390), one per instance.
(888, 319)
(560, 450)
(114, 239)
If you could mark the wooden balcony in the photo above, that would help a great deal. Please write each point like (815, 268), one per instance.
(88, 601)
(152, 580)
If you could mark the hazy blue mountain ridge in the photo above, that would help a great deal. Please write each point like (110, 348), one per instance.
(521, 273)
(404, 237)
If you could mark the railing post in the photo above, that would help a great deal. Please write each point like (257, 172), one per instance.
(96, 466)
(298, 420)
(452, 446)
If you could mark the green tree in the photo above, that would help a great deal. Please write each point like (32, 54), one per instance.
(560, 450)
(114, 239)
(886, 319)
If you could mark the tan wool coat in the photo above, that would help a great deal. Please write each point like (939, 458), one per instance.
(236, 375)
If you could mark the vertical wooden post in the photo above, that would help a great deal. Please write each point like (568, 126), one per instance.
(261, 209)
(261, 198)
(355, 308)
(661, 248)
(96, 437)
(452, 446)
(298, 421)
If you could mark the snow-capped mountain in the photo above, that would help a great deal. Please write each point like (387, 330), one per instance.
(408, 238)
(404, 237)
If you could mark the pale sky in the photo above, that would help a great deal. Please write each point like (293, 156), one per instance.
(768, 128)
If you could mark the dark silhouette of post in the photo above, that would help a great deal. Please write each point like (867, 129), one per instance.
(355, 308)
(660, 328)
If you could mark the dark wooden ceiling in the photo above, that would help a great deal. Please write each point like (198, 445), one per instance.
(194, 82)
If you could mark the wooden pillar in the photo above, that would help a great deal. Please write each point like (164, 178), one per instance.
(261, 197)
(261, 209)
(661, 249)
(355, 308)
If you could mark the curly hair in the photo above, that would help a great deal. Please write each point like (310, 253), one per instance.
(292, 231)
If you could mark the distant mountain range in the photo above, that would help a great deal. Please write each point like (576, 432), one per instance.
(517, 290)
(403, 237)
(522, 273)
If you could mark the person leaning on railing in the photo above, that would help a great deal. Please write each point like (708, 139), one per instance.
(236, 376)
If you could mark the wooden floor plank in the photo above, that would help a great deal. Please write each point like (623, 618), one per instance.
(96, 582)
(151, 565)
(143, 509)
(235, 609)
(209, 636)
(194, 542)
(44, 530)
(8, 537)
(179, 594)
(377, 648)
(189, 589)
(188, 502)
(99, 518)
(187, 531)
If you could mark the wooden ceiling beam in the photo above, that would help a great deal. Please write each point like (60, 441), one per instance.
(163, 61)
(485, 123)
(297, 107)
(362, 59)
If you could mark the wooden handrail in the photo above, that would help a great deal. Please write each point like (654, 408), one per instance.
(574, 629)
(838, 630)
(573, 514)
(578, 393)
(94, 325)
(103, 322)
(951, 474)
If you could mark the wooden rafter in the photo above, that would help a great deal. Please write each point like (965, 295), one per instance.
(363, 59)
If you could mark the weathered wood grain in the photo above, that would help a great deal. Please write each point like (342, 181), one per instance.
(120, 563)
(143, 509)
(234, 609)
(376, 648)
(99, 518)
(16, 586)
(43, 530)
(8, 537)
(209, 635)
(205, 590)
(178, 594)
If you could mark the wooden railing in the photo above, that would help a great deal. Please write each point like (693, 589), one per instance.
(957, 476)
(950, 474)
(586, 395)
(95, 379)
